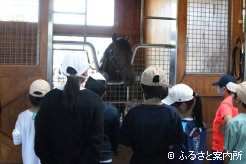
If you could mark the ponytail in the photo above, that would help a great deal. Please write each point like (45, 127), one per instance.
(197, 111)
(71, 92)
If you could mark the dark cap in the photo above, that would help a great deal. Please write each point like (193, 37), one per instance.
(224, 80)
(96, 83)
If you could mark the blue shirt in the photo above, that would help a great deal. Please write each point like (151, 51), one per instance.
(111, 131)
(195, 143)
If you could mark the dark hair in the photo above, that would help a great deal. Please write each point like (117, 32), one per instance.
(71, 91)
(196, 111)
(97, 86)
(228, 91)
(244, 105)
(35, 101)
(154, 91)
(235, 97)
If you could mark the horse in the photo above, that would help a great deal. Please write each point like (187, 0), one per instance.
(116, 61)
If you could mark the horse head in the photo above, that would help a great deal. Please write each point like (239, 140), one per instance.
(116, 61)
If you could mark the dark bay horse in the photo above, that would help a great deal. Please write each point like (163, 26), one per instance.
(116, 61)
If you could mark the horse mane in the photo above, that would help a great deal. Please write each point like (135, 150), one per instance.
(122, 43)
(106, 54)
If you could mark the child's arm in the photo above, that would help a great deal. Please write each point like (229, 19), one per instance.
(17, 139)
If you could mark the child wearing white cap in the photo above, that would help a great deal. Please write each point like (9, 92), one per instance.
(69, 124)
(151, 129)
(235, 131)
(189, 106)
(24, 131)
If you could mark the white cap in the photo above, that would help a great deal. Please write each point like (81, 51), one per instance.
(178, 93)
(39, 88)
(154, 76)
(240, 89)
(231, 86)
(98, 76)
(74, 61)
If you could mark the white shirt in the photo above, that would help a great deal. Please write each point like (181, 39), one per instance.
(24, 134)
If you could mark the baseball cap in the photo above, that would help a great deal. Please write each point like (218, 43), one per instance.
(39, 88)
(98, 76)
(240, 89)
(178, 93)
(224, 80)
(154, 76)
(74, 64)
(231, 86)
(96, 83)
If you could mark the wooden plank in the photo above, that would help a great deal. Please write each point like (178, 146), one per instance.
(181, 40)
(20, 71)
(9, 153)
(202, 84)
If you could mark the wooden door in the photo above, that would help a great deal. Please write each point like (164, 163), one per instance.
(24, 51)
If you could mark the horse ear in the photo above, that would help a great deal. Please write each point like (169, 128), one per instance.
(127, 37)
(114, 37)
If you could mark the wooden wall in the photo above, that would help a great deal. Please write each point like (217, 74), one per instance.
(156, 23)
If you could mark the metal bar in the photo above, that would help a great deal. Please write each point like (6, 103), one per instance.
(161, 18)
(75, 13)
(85, 29)
(229, 35)
(69, 42)
(118, 102)
(80, 43)
(70, 49)
(127, 95)
(115, 83)
(49, 46)
(141, 22)
(137, 46)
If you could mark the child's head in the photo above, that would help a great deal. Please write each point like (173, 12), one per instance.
(75, 67)
(37, 90)
(222, 90)
(239, 94)
(97, 83)
(154, 83)
(186, 101)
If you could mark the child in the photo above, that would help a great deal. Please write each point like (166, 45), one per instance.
(189, 106)
(223, 114)
(69, 123)
(24, 131)
(235, 132)
(98, 84)
(151, 129)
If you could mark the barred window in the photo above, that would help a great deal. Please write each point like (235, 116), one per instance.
(207, 36)
(19, 22)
